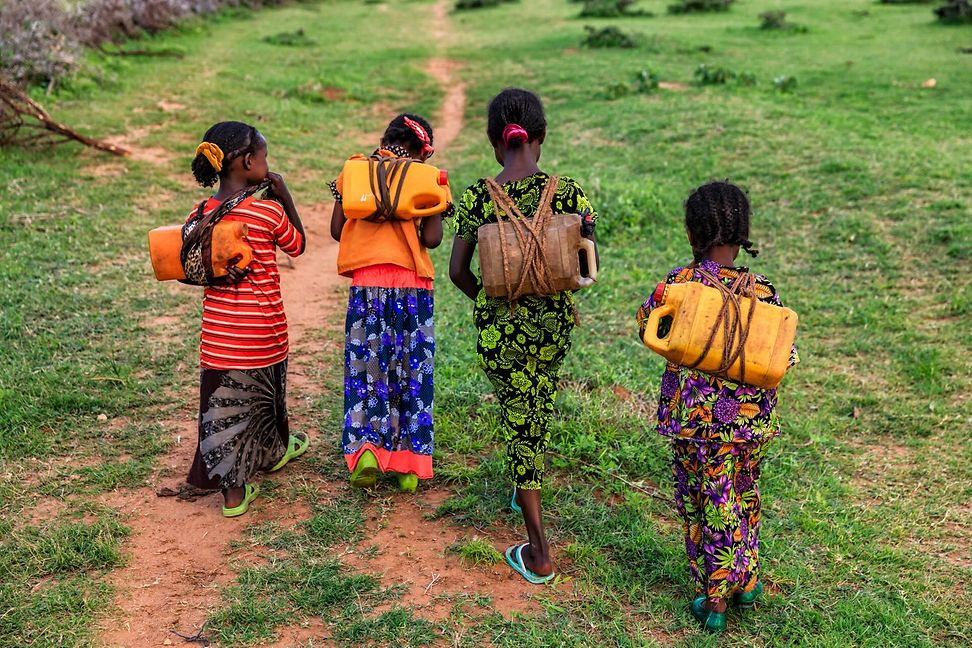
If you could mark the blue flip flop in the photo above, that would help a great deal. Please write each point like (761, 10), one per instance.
(513, 505)
(521, 569)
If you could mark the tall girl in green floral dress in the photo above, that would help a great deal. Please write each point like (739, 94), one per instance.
(520, 348)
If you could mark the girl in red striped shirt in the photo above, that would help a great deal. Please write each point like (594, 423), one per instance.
(243, 424)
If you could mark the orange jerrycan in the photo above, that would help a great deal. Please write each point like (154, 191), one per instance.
(696, 336)
(571, 260)
(393, 188)
(165, 248)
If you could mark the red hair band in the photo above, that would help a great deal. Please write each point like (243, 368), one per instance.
(427, 148)
(514, 133)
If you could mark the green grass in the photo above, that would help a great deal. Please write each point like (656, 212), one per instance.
(860, 182)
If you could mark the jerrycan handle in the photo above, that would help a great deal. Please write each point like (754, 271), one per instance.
(588, 249)
(244, 251)
(651, 339)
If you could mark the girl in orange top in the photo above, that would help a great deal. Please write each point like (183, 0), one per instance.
(390, 336)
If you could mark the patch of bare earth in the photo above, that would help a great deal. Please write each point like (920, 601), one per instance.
(402, 547)
(179, 550)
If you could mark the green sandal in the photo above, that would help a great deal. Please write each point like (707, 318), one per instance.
(711, 621)
(365, 472)
(250, 493)
(408, 482)
(297, 445)
(748, 599)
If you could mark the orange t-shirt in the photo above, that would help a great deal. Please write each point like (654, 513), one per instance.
(364, 243)
(244, 325)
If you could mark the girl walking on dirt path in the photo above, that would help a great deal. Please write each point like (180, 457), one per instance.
(719, 429)
(243, 424)
(390, 334)
(521, 344)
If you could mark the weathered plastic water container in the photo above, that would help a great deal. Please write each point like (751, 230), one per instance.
(425, 191)
(694, 309)
(571, 259)
(165, 248)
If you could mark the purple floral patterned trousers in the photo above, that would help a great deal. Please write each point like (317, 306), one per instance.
(717, 496)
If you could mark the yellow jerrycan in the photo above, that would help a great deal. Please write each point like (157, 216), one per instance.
(379, 189)
(165, 248)
(695, 309)
(571, 259)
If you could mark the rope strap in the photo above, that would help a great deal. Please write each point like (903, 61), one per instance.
(382, 173)
(530, 234)
(735, 328)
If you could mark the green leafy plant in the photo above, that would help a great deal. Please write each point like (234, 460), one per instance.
(644, 82)
(290, 39)
(713, 75)
(699, 6)
(611, 9)
(479, 4)
(955, 12)
(607, 37)
(776, 20)
(785, 83)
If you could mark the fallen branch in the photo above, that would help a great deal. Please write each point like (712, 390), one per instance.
(21, 116)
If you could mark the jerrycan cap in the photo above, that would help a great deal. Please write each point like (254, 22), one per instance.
(659, 296)
(443, 177)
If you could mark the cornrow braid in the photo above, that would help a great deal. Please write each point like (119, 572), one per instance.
(718, 213)
(234, 139)
(399, 134)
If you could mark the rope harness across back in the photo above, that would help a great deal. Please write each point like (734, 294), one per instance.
(382, 174)
(197, 238)
(530, 234)
(735, 328)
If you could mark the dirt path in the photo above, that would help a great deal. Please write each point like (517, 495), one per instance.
(180, 550)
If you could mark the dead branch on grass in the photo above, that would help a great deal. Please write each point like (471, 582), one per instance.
(650, 491)
(23, 122)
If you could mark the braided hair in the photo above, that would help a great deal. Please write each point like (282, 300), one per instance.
(399, 134)
(518, 107)
(717, 213)
(234, 139)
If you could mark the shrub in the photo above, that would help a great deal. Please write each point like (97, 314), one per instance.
(644, 82)
(776, 20)
(699, 6)
(955, 12)
(40, 40)
(785, 83)
(611, 9)
(607, 37)
(479, 4)
(290, 39)
(37, 40)
(713, 76)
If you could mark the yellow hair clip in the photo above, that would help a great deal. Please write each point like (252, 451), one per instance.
(213, 153)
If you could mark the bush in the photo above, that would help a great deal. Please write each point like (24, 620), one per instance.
(720, 76)
(607, 37)
(40, 40)
(776, 20)
(479, 4)
(611, 9)
(955, 12)
(37, 40)
(644, 82)
(785, 83)
(699, 6)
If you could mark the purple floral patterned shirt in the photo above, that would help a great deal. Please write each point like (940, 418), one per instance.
(697, 406)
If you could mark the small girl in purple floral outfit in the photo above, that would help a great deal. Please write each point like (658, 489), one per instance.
(719, 429)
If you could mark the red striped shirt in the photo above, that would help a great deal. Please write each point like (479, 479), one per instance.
(244, 325)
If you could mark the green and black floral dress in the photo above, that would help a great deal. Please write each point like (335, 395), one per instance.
(521, 349)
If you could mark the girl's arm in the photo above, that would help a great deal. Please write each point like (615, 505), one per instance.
(279, 189)
(459, 270)
(337, 221)
(430, 231)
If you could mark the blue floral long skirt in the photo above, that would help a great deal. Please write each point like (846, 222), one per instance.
(388, 388)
